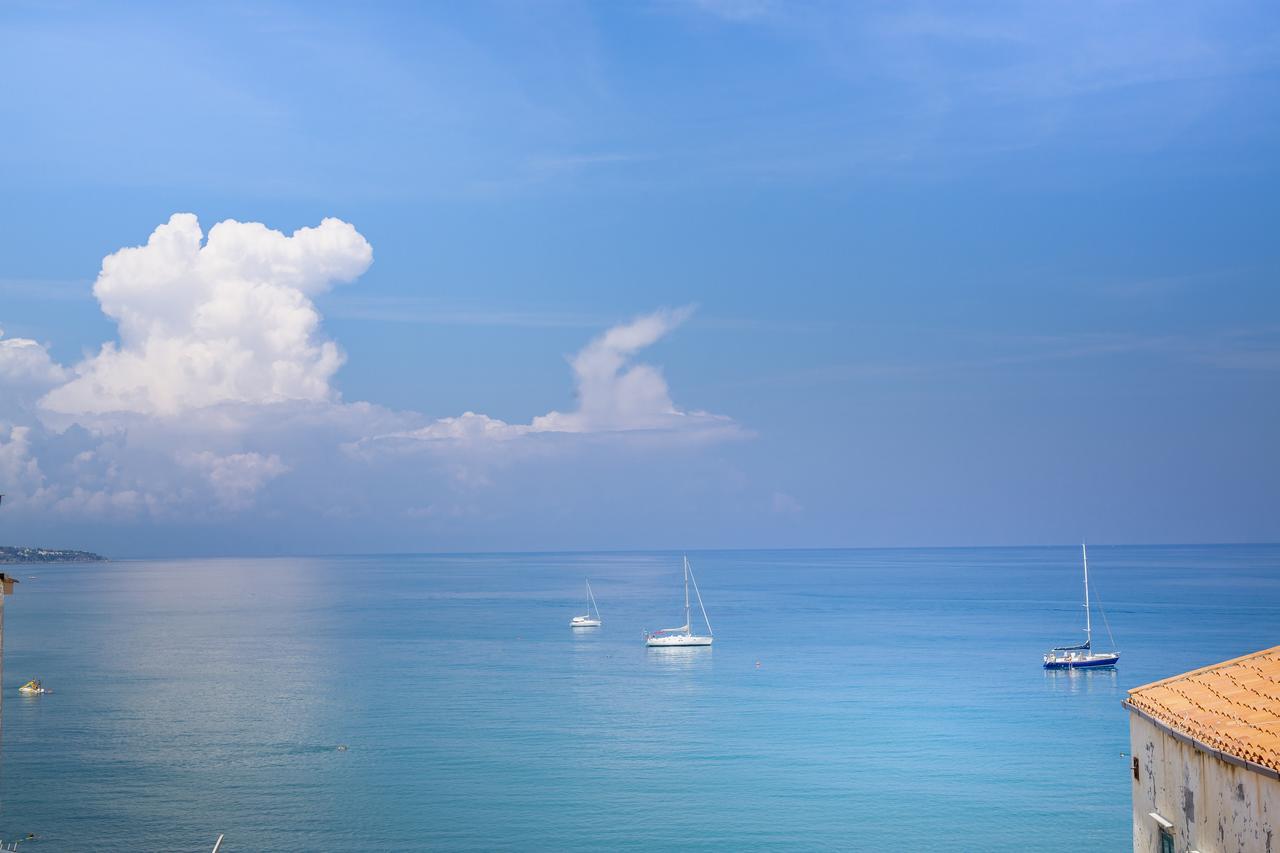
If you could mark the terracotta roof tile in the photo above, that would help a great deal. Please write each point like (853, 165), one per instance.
(1232, 706)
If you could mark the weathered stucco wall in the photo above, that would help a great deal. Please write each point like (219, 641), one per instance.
(1214, 806)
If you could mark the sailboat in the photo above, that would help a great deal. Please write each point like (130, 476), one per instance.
(1083, 655)
(683, 636)
(588, 621)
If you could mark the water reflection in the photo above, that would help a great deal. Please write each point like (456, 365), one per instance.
(1081, 680)
(679, 658)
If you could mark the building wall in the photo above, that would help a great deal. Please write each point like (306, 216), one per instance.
(1214, 806)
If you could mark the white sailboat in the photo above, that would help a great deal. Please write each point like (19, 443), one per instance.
(588, 621)
(1083, 655)
(683, 636)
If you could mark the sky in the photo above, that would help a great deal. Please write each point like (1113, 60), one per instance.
(331, 278)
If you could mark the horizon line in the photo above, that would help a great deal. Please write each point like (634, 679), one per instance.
(589, 551)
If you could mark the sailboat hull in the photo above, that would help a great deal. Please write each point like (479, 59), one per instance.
(677, 640)
(1090, 662)
(583, 622)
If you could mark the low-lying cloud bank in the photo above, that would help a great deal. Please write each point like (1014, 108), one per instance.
(218, 397)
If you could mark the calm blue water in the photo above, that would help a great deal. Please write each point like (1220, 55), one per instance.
(899, 703)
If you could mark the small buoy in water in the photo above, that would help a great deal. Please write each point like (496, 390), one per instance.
(342, 747)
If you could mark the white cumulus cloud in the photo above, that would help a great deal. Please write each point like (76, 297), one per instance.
(236, 477)
(24, 363)
(228, 319)
(26, 372)
(18, 466)
(614, 395)
(469, 426)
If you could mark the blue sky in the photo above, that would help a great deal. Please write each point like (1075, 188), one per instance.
(913, 275)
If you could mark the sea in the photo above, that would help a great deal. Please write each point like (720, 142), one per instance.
(853, 700)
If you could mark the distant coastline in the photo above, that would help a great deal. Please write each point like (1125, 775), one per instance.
(13, 554)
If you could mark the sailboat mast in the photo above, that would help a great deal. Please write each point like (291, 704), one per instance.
(688, 625)
(1088, 624)
(701, 606)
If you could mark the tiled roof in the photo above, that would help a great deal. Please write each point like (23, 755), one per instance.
(1233, 707)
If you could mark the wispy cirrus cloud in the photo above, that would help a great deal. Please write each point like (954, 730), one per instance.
(1232, 349)
(1240, 349)
(927, 87)
(426, 311)
(47, 290)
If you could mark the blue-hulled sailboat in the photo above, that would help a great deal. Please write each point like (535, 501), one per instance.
(1083, 655)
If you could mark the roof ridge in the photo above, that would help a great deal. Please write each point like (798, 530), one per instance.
(1204, 669)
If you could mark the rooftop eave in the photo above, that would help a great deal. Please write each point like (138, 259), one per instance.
(1230, 758)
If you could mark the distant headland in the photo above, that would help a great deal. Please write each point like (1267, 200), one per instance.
(14, 554)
